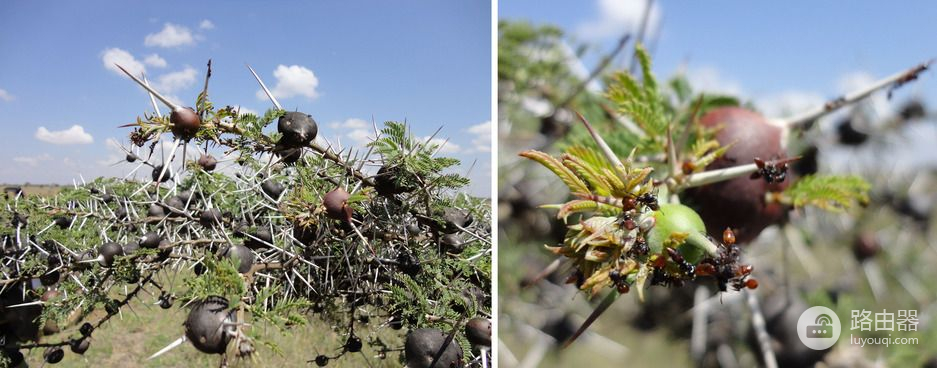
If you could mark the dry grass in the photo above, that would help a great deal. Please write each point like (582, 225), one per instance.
(44, 190)
(143, 328)
(128, 341)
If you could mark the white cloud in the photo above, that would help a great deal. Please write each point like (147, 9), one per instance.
(788, 103)
(444, 146)
(174, 99)
(360, 136)
(358, 131)
(244, 111)
(353, 123)
(113, 145)
(481, 142)
(853, 81)
(292, 81)
(115, 55)
(206, 24)
(74, 135)
(617, 17)
(171, 82)
(32, 160)
(710, 80)
(116, 154)
(5, 96)
(172, 35)
(155, 61)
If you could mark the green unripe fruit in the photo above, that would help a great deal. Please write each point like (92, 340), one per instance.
(672, 222)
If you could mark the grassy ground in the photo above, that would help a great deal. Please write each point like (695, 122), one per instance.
(144, 328)
(128, 341)
(46, 190)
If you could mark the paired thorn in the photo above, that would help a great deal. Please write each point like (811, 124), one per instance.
(152, 99)
(153, 92)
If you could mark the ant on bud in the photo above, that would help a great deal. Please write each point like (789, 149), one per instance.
(648, 200)
(742, 279)
(663, 278)
(626, 221)
(619, 282)
(639, 248)
(725, 267)
(685, 267)
(772, 172)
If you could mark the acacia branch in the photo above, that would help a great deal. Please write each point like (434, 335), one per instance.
(803, 120)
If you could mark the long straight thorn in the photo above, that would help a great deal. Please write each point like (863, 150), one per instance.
(152, 99)
(264, 87)
(166, 101)
(606, 150)
(169, 347)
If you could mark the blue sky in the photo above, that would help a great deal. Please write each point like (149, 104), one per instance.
(783, 56)
(760, 48)
(428, 62)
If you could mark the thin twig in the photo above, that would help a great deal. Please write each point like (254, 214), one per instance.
(642, 31)
(894, 81)
(607, 59)
(758, 324)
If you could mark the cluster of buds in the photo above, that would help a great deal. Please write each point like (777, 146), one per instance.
(667, 247)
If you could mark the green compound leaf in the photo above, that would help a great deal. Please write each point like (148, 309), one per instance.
(568, 177)
(828, 192)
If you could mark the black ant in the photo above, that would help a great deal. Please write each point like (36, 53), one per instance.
(576, 278)
(685, 267)
(648, 200)
(771, 172)
(615, 276)
(628, 203)
(619, 281)
(725, 268)
(663, 278)
(626, 221)
(639, 248)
